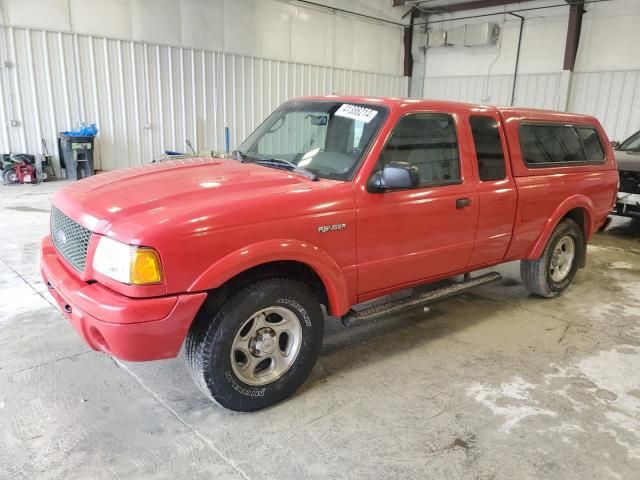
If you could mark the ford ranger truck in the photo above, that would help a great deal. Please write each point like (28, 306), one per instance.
(331, 203)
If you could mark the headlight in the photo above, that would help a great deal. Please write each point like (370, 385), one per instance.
(127, 263)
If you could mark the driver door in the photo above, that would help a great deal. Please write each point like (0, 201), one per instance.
(409, 236)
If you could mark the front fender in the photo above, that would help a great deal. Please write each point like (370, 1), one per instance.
(575, 201)
(280, 250)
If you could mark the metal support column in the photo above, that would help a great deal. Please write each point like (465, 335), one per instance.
(576, 9)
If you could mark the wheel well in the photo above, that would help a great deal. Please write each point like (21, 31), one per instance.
(288, 268)
(579, 215)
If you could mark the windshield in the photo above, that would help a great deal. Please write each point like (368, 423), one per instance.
(631, 144)
(325, 138)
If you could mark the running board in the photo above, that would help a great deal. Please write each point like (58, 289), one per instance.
(420, 299)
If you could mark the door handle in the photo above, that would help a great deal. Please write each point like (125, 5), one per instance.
(463, 202)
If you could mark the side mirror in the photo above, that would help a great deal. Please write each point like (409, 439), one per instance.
(614, 144)
(394, 176)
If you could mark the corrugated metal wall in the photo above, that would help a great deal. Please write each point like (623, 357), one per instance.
(532, 90)
(612, 97)
(147, 98)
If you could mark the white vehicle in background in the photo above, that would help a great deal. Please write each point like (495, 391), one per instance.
(628, 158)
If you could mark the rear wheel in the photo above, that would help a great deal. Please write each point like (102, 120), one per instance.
(256, 348)
(554, 271)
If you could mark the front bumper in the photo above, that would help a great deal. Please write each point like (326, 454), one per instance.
(628, 204)
(127, 328)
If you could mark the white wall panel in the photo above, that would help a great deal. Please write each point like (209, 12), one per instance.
(612, 97)
(539, 91)
(146, 98)
(279, 29)
(606, 82)
(165, 25)
(110, 19)
(532, 90)
(47, 14)
(541, 49)
(275, 26)
(312, 34)
(610, 42)
(201, 24)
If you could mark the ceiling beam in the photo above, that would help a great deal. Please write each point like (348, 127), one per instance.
(460, 7)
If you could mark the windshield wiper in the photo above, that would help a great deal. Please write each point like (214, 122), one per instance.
(243, 157)
(281, 163)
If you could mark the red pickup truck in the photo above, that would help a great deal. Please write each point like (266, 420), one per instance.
(331, 202)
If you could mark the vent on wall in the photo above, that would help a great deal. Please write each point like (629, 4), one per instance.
(472, 35)
(436, 38)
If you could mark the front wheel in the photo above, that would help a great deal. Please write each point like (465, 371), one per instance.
(10, 176)
(554, 271)
(256, 348)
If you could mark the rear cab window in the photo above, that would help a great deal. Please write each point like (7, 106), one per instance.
(556, 145)
(488, 144)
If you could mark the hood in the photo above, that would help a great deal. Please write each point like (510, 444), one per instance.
(629, 161)
(165, 191)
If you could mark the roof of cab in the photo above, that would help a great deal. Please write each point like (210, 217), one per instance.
(394, 101)
(542, 114)
(506, 111)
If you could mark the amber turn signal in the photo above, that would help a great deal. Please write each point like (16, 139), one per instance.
(145, 267)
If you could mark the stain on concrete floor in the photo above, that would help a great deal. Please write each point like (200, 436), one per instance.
(24, 208)
(494, 384)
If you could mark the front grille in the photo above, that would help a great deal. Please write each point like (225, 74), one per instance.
(70, 239)
(629, 181)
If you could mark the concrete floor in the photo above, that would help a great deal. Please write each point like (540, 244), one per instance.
(490, 385)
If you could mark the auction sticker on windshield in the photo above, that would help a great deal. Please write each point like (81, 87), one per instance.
(356, 112)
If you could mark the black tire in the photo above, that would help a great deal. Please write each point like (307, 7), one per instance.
(536, 274)
(209, 343)
(10, 176)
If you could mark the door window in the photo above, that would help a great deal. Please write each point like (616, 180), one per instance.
(489, 153)
(429, 142)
